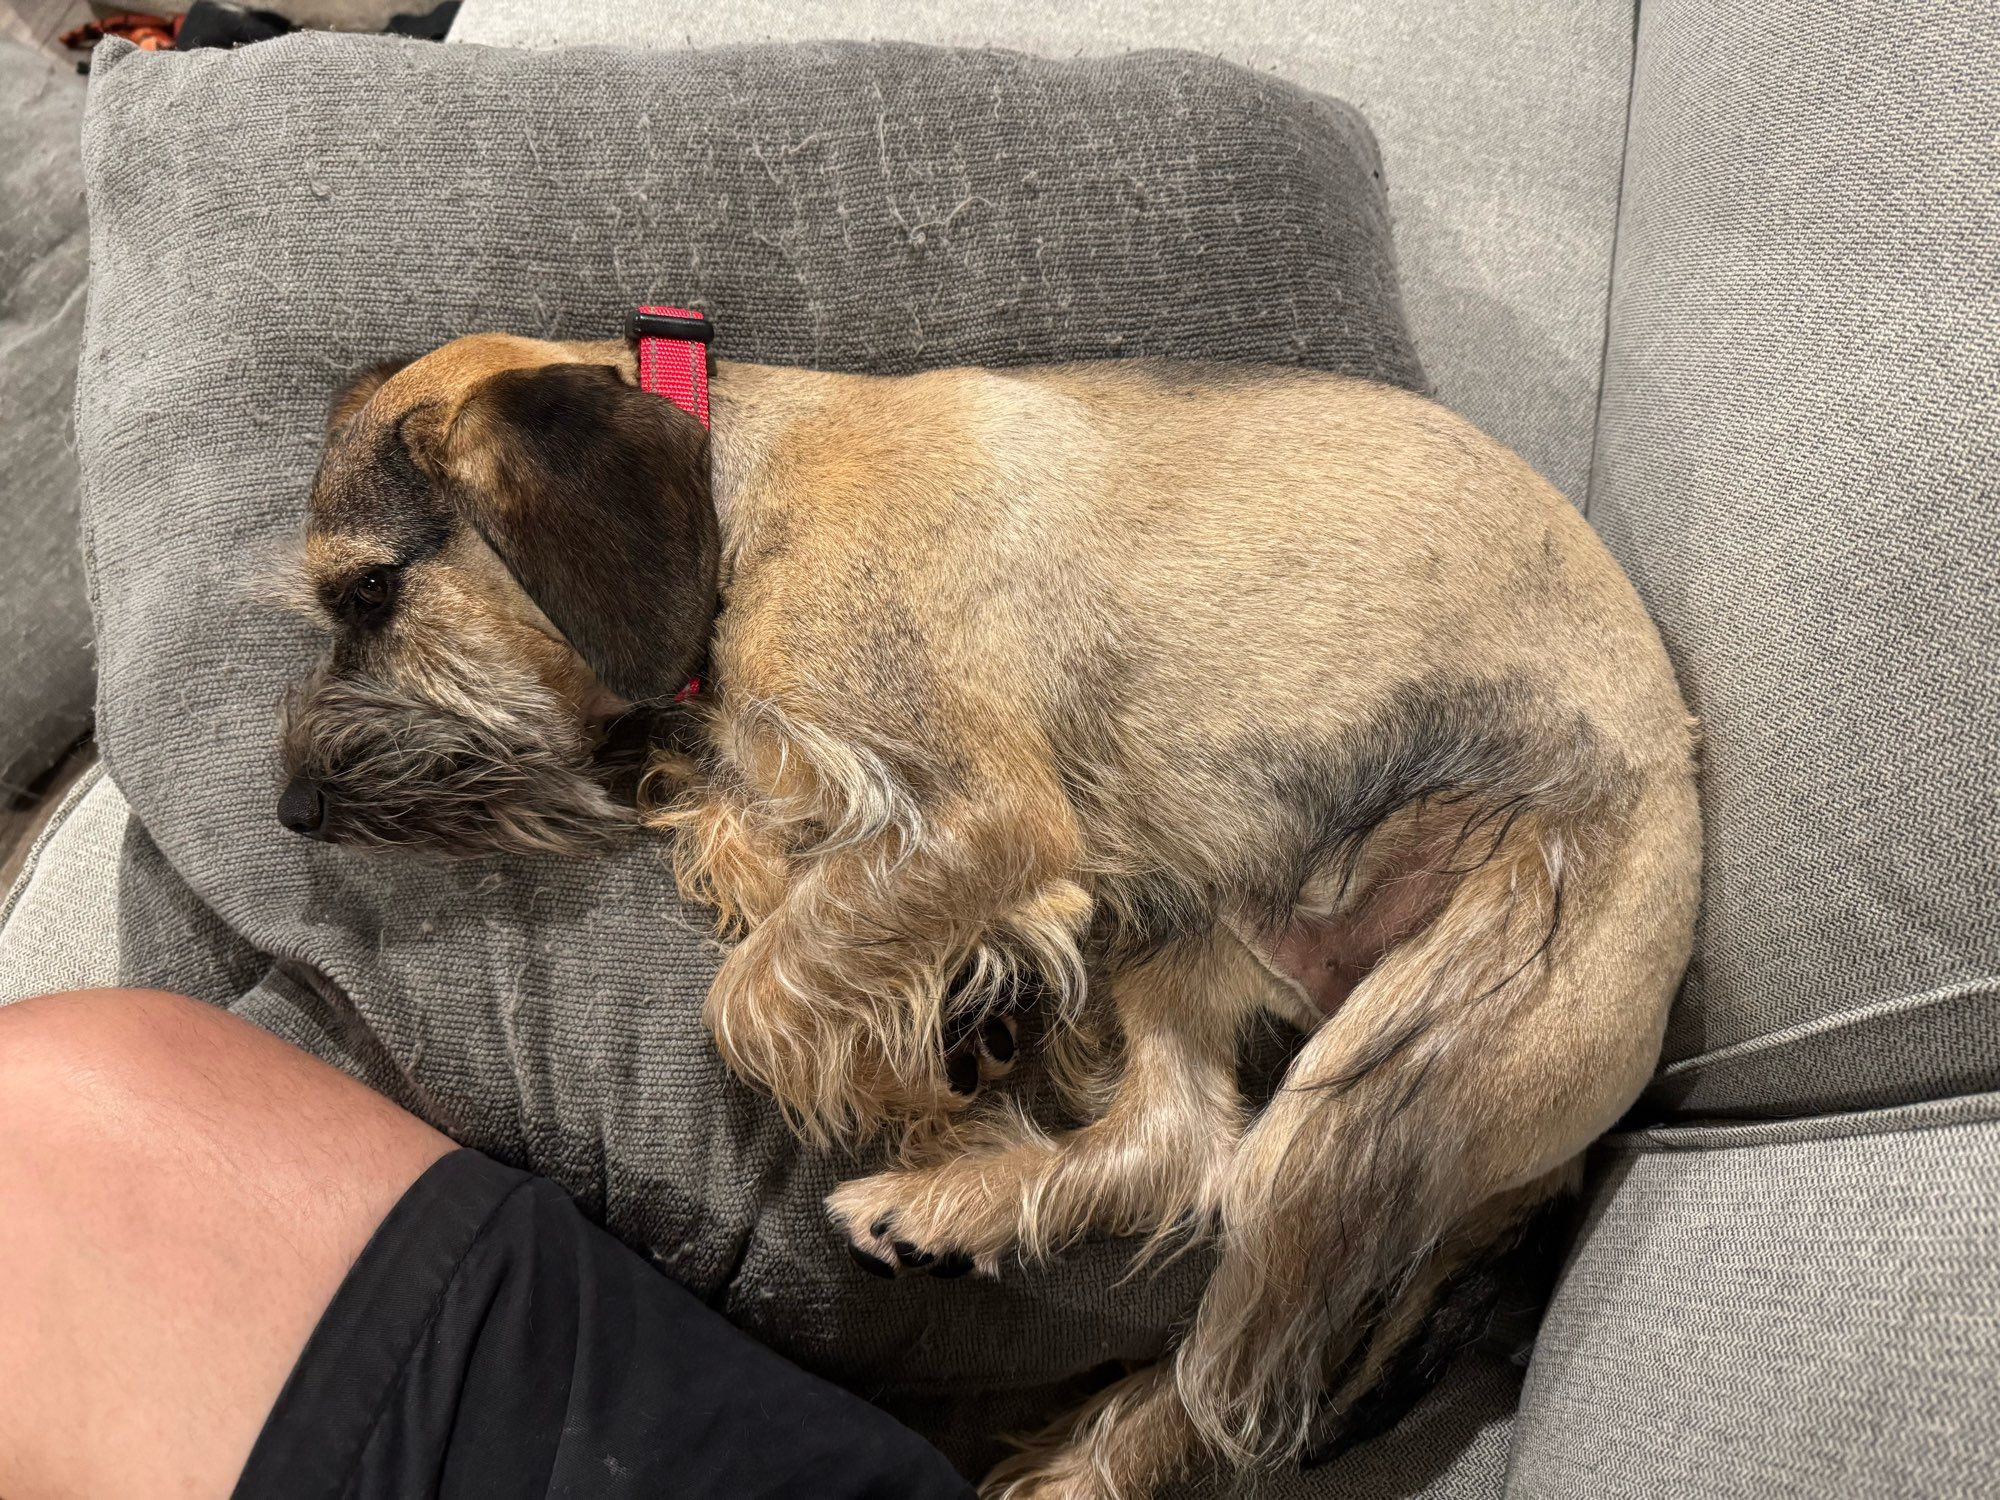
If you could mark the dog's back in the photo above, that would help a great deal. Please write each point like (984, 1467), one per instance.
(1245, 612)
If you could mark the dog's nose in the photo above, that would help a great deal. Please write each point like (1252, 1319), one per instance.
(303, 808)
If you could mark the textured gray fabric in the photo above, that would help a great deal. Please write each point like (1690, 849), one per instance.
(1502, 124)
(1722, 1135)
(293, 210)
(1808, 1319)
(59, 922)
(168, 938)
(45, 666)
(1798, 464)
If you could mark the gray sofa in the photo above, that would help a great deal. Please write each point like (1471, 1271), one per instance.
(45, 671)
(1729, 281)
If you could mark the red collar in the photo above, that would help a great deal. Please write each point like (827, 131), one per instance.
(673, 355)
(673, 364)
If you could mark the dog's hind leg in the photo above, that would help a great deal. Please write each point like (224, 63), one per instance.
(1151, 1161)
(1479, 1056)
(1136, 1435)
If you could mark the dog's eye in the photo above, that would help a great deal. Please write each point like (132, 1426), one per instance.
(368, 597)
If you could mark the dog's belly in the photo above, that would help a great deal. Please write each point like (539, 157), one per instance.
(1320, 956)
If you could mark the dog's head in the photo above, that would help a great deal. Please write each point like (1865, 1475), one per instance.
(510, 544)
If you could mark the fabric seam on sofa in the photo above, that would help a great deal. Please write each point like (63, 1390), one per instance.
(1828, 1025)
(1929, 1114)
(1611, 266)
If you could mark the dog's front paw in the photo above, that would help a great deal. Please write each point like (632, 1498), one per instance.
(896, 1224)
(976, 1055)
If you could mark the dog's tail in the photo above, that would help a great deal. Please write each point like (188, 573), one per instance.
(1468, 1067)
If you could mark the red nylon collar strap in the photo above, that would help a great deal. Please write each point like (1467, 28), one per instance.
(673, 365)
(673, 355)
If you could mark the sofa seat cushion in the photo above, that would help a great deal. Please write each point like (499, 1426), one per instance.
(59, 920)
(1795, 1309)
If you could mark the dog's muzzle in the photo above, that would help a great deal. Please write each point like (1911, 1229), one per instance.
(302, 808)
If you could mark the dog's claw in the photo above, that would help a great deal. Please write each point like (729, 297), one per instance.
(874, 1265)
(885, 1253)
(951, 1267)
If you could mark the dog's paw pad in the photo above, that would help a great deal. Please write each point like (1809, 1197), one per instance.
(988, 1051)
(999, 1042)
(962, 1071)
(887, 1248)
(890, 1258)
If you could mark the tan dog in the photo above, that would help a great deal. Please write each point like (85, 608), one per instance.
(1246, 692)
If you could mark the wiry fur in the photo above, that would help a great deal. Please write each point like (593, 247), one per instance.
(831, 873)
(479, 776)
(1248, 694)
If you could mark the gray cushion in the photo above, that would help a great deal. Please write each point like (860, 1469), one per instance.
(1799, 466)
(293, 210)
(1502, 123)
(45, 666)
(59, 921)
(1778, 1312)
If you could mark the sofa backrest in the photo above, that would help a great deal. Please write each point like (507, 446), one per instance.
(1799, 463)
(1501, 128)
(45, 666)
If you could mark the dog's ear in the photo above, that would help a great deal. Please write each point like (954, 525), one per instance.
(355, 391)
(596, 495)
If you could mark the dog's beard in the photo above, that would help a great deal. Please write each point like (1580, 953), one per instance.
(397, 771)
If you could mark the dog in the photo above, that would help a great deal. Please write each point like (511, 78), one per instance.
(1191, 696)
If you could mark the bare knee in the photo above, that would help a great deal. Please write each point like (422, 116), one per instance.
(74, 1065)
(53, 1046)
(184, 1192)
(147, 1071)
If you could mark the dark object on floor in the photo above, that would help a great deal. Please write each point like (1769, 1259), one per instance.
(208, 24)
(490, 1332)
(425, 26)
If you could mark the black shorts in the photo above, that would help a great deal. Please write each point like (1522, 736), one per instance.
(491, 1342)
